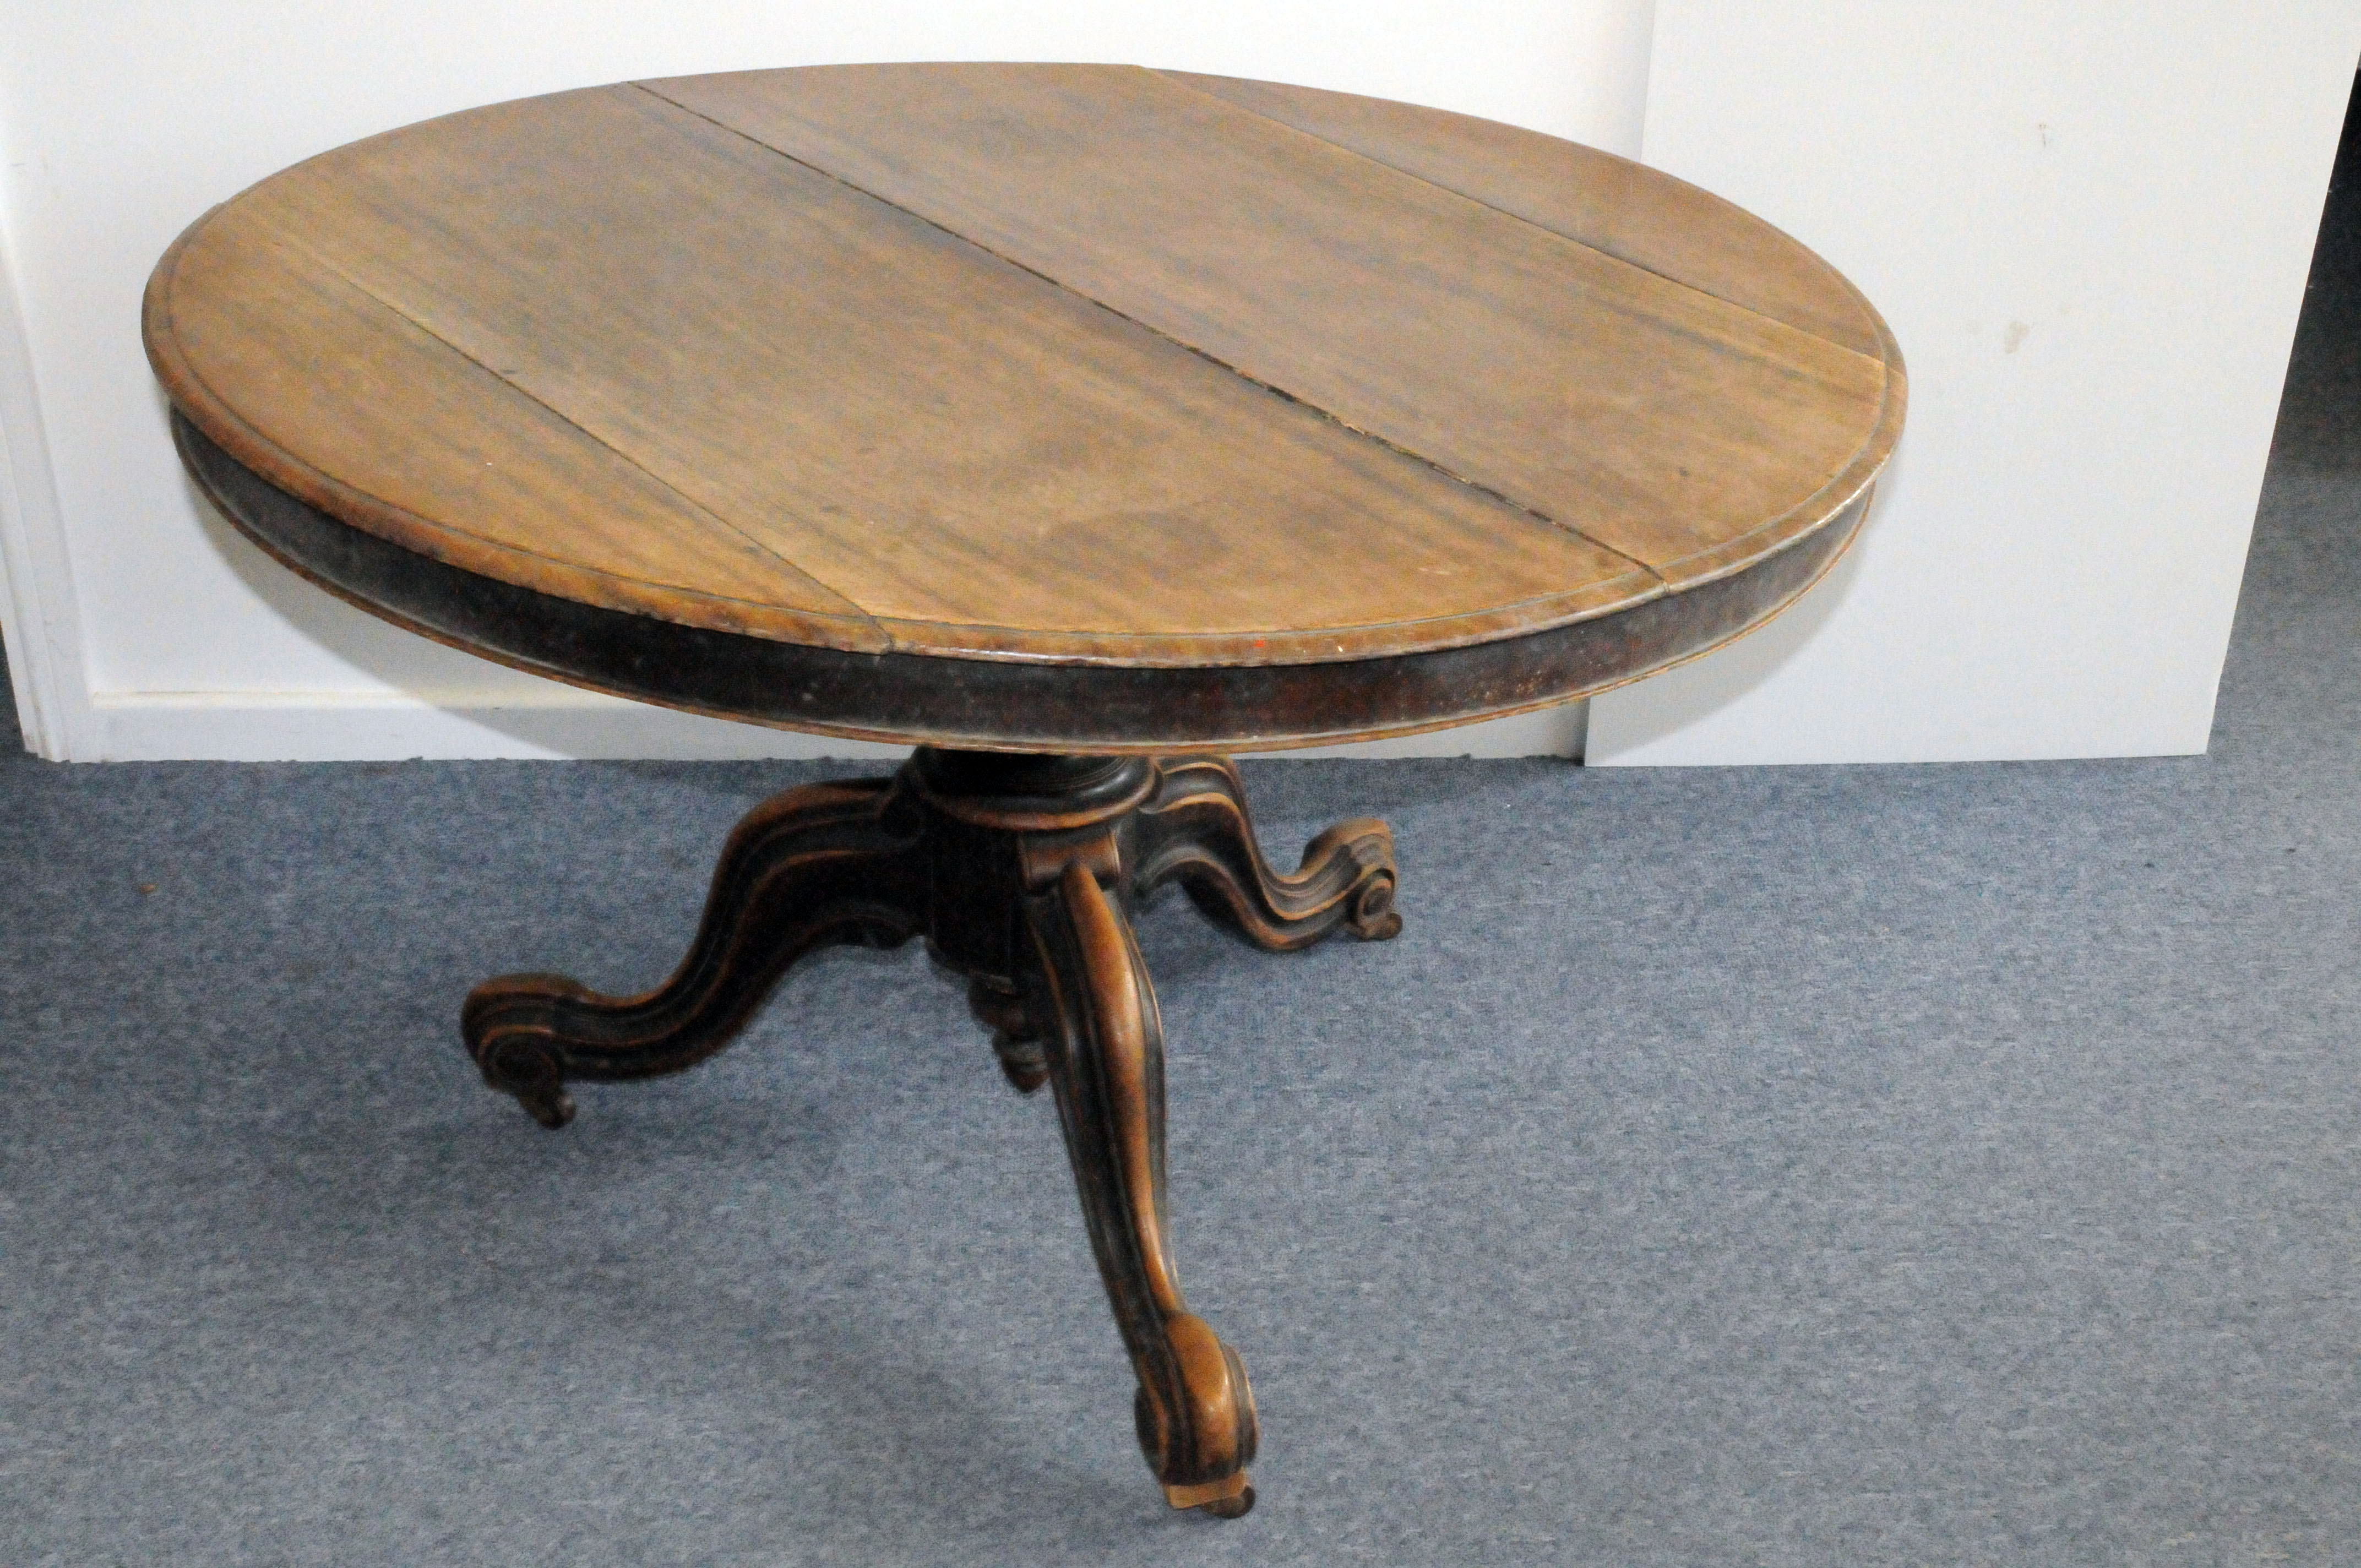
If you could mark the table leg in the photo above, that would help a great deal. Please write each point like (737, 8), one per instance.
(805, 868)
(1195, 829)
(1017, 870)
(1194, 1409)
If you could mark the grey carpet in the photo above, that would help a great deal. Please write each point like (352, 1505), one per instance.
(1940, 1164)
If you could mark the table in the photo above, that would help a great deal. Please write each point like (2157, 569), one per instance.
(1073, 424)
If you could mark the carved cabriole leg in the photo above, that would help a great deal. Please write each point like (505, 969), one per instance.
(827, 863)
(1029, 867)
(1195, 829)
(1194, 1409)
(1017, 870)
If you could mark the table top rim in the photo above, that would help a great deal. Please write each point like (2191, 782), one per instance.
(863, 630)
(1003, 706)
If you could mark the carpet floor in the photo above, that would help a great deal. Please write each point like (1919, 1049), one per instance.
(1913, 1164)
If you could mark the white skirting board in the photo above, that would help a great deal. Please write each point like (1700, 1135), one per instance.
(272, 727)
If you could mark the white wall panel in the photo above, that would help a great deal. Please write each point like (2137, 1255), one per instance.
(2089, 224)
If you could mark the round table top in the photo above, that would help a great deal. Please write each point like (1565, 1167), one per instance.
(1032, 406)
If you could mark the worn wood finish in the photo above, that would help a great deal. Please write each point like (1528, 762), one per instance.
(1062, 367)
(1041, 478)
(1634, 213)
(1017, 870)
(1677, 429)
(1007, 703)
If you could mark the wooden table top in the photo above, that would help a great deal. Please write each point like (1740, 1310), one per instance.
(1052, 387)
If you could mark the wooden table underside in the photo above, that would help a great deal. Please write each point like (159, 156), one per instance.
(1058, 419)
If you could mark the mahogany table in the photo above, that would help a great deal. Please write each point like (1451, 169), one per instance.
(1075, 424)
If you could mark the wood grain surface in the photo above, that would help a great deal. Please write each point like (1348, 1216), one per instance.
(1045, 364)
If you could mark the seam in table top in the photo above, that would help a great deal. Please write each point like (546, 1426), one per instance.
(1600, 251)
(862, 614)
(854, 613)
(1890, 371)
(1278, 391)
(881, 626)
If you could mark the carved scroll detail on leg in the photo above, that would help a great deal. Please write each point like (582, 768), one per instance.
(1024, 1060)
(805, 868)
(1196, 828)
(1194, 1409)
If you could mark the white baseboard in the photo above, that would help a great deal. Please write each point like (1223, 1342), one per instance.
(321, 727)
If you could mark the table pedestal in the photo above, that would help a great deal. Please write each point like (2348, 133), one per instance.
(1017, 870)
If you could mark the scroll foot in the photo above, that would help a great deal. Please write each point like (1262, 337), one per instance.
(808, 867)
(1196, 830)
(526, 1068)
(1230, 1499)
